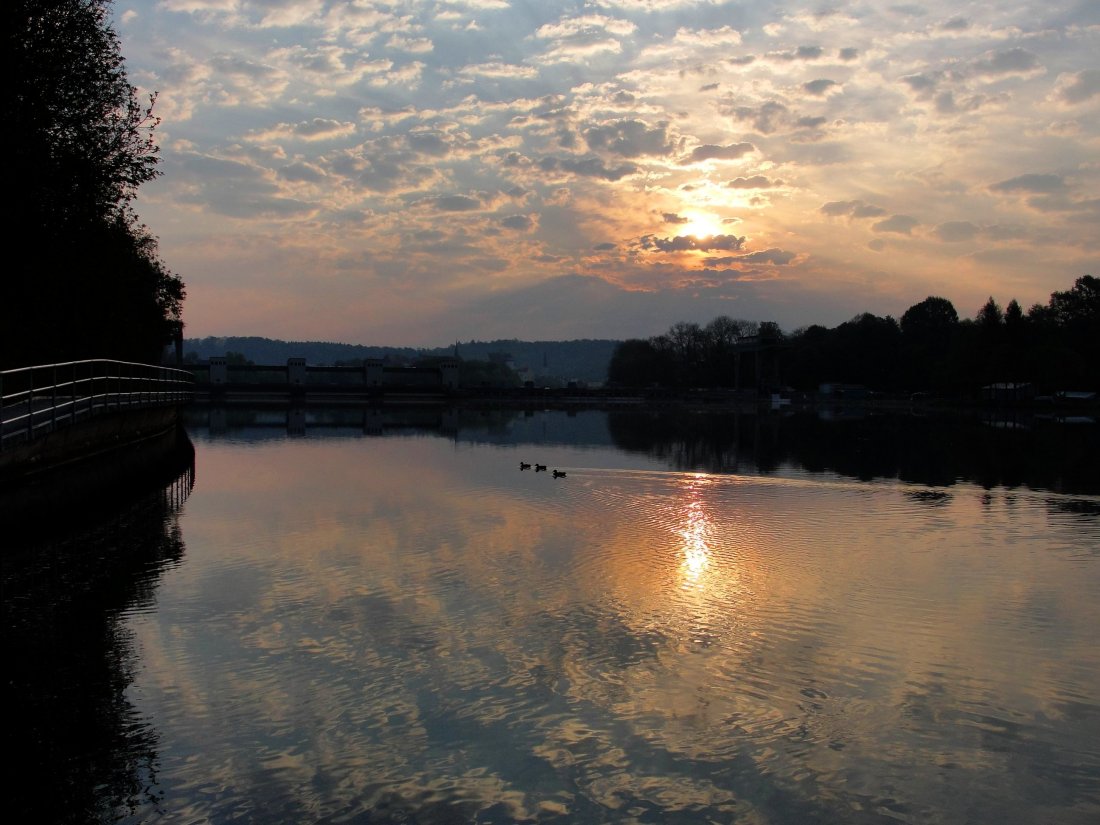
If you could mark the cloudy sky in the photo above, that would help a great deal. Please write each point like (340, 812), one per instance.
(416, 172)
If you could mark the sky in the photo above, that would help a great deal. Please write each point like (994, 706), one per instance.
(415, 173)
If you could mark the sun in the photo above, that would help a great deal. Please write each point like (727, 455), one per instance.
(701, 225)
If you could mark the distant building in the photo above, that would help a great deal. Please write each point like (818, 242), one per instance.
(1007, 391)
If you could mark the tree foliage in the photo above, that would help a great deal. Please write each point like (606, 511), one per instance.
(88, 282)
(1055, 347)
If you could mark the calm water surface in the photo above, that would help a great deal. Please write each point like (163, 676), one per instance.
(406, 627)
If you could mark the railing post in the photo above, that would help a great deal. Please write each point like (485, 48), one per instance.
(53, 400)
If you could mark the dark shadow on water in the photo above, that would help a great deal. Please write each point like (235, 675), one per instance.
(936, 451)
(81, 549)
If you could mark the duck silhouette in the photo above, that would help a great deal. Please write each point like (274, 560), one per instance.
(523, 465)
(540, 468)
(559, 473)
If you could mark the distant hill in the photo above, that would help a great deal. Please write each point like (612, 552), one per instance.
(582, 360)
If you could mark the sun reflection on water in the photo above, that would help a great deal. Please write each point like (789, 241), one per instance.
(695, 531)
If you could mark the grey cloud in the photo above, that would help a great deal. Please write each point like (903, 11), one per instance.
(672, 217)
(956, 231)
(955, 24)
(1006, 62)
(765, 119)
(239, 66)
(630, 138)
(754, 182)
(428, 143)
(302, 173)
(810, 122)
(848, 54)
(604, 247)
(709, 151)
(588, 167)
(801, 53)
(520, 222)
(853, 209)
(683, 243)
(819, 87)
(319, 126)
(920, 83)
(778, 257)
(1040, 184)
(774, 256)
(1085, 86)
(456, 203)
(902, 224)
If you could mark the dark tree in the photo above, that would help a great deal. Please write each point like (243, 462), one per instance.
(934, 316)
(633, 364)
(930, 331)
(85, 279)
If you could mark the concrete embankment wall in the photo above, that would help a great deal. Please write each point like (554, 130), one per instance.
(95, 437)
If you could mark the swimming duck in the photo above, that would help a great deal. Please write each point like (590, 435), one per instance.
(540, 468)
(559, 473)
(523, 465)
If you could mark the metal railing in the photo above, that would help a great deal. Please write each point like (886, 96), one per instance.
(37, 400)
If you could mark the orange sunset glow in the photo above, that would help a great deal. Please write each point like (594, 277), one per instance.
(414, 173)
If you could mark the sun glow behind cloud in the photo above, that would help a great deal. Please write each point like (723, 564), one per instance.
(406, 173)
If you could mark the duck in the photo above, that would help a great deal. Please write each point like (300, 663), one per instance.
(559, 473)
(540, 468)
(523, 465)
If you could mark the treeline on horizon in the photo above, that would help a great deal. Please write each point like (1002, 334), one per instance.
(86, 280)
(931, 349)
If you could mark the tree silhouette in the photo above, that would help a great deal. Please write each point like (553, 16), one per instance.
(87, 280)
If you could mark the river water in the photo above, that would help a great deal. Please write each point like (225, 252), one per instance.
(351, 616)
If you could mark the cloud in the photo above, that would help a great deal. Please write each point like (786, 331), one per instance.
(318, 128)
(1032, 183)
(801, 53)
(956, 231)
(591, 167)
(1010, 61)
(901, 224)
(671, 217)
(302, 172)
(765, 118)
(630, 138)
(776, 257)
(415, 45)
(820, 87)
(456, 203)
(708, 151)
(708, 38)
(922, 84)
(852, 209)
(498, 70)
(686, 243)
(754, 182)
(518, 222)
(1077, 88)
